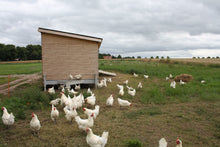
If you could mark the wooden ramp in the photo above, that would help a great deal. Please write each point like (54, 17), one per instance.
(107, 73)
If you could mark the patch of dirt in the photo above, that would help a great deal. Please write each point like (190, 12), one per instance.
(23, 79)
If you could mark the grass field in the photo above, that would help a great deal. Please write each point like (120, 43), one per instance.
(20, 68)
(190, 112)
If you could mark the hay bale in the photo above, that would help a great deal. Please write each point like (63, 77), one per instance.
(183, 77)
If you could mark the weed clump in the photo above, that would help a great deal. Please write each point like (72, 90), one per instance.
(134, 143)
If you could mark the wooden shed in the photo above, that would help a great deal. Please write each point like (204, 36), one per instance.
(65, 53)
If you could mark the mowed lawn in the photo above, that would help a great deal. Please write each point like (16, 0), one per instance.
(190, 112)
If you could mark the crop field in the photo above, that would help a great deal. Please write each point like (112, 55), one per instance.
(190, 112)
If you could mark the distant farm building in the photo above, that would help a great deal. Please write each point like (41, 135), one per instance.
(107, 57)
(66, 53)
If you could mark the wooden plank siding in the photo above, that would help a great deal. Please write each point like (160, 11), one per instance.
(63, 55)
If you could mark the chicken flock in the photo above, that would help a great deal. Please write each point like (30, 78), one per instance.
(71, 104)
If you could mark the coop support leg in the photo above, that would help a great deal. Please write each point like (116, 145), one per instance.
(96, 80)
(45, 85)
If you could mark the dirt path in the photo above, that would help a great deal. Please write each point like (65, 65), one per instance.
(24, 78)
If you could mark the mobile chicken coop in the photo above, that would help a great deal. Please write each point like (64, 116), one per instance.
(65, 54)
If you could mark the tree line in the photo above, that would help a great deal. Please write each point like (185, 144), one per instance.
(9, 52)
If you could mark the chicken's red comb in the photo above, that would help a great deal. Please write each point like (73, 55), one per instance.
(3, 108)
(177, 141)
(84, 109)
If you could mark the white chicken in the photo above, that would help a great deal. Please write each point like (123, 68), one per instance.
(55, 102)
(8, 119)
(63, 99)
(135, 75)
(167, 78)
(84, 123)
(109, 80)
(170, 76)
(130, 88)
(110, 100)
(70, 113)
(51, 90)
(202, 81)
(79, 76)
(104, 81)
(71, 77)
(54, 113)
(72, 91)
(139, 85)
(126, 82)
(182, 83)
(146, 76)
(173, 84)
(35, 124)
(124, 103)
(77, 87)
(121, 92)
(132, 92)
(178, 143)
(89, 111)
(89, 91)
(162, 142)
(95, 140)
(100, 84)
(63, 89)
(91, 99)
(120, 86)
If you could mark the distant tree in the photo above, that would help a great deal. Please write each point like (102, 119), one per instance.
(2, 52)
(33, 52)
(157, 57)
(151, 57)
(194, 57)
(217, 57)
(10, 52)
(202, 58)
(119, 57)
(113, 57)
(208, 57)
(198, 57)
(139, 57)
(162, 57)
(133, 57)
(21, 53)
(168, 57)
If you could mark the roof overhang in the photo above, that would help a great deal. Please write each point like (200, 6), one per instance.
(73, 35)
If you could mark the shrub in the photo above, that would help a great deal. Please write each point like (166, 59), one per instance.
(134, 143)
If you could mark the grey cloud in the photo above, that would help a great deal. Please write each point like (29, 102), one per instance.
(125, 25)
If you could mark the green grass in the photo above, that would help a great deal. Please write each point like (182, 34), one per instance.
(4, 80)
(20, 68)
(157, 89)
(190, 112)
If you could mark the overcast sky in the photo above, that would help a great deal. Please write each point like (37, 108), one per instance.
(175, 28)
